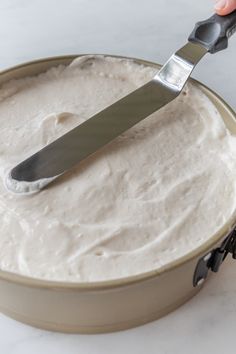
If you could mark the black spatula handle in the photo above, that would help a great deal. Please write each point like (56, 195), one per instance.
(214, 32)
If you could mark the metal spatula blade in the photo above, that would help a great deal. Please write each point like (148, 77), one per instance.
(61, 155)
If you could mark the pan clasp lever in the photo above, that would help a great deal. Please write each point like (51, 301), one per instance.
(213, 259)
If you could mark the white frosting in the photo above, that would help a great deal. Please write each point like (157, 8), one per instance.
(24, 187)
(157, 192)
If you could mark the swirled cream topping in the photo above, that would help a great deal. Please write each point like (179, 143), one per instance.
(151, 196)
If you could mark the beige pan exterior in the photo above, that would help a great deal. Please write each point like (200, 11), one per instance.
(112, 305)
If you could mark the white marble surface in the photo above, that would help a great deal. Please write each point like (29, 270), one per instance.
(152, 30)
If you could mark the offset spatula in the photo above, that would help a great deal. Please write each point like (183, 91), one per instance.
(55, 159)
